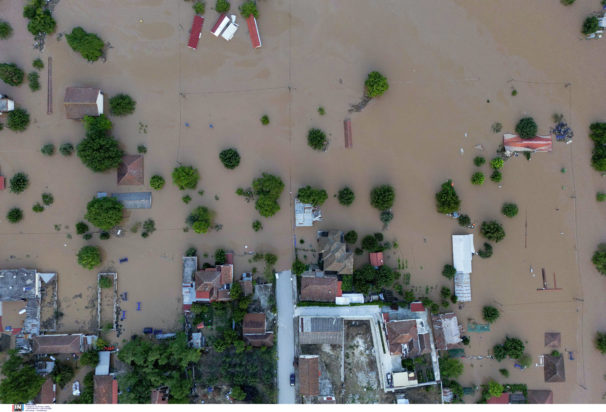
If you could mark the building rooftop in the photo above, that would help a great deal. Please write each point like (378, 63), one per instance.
(319, 288)
(83, 101)
(334, 255)
(130, 170)
(51, 344)
(446, 331)
(320, 330)
(309, 375)
(554, 369)
(106, 390)
(253, 324)
(134, 200)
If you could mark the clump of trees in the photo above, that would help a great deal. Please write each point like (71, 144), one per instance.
(104, 212)
(597, 133)
(249, 8)
(351, 237)
(11, 74)
(15, 215)
(450, 367)
(600, 342)
(492, 230)
(316, 139)
(509, 209)
(526, 128)
(315, 197)
(368, 279)
(590, 25)
(346, 196)
(449, 271)
(89, 45)
(33, 79)
(89, 257)
(18, 120)
(200, 219)
(477, 178)
(40, 18)
(268, 189)
(230, 158)
(122, 105)
(382, 197)
(19, 182)
(98, 151)
(447, 200)
(157, 182)
(490, 314)
(20, 383)
(186, 177)
(6, 30)
(512, 348)
(376, 84)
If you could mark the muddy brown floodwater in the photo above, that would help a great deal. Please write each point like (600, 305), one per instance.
(451, 66)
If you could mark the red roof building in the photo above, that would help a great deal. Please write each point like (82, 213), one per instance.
(319, 289)
(130, 170)
(417, 307)
(309, 375)
(211, 283)
(253, 29)
(501, 400)
(220, 25)
(47, 393)
(106, 389)
(514, 143)
(376, 259)
(196, 32)
(1, 182)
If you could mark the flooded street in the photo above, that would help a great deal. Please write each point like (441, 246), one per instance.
(451, 66)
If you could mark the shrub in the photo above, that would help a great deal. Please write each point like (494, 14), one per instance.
(492, 230)
(504, 372)
(48, 199)
(156, 182)
(479, 161)
(89, 257)
(18, 120)
(494, 389)
(567, 2)
(600, 197)
(100, 153)
(89, 45)
(447, 200)
(490, 314)
(509, 209)
(105, 282)
(321, 111)
(122, 105)
(38, 64)
(465, 340)
(497, 163)
(38, 208)
(600, 342)
(386, 216)
(370, 243)
(496, 176)
(477, 178)
(271, 259)
(104, 235)
(6, 30)
(14, 215)
(376, 84)
(48, 149)
(450, 367)
(191, 252)
(464, 220)
(185, 177)
(526, 128)
(104, 212)
(200, 219)
(248, 8)
(382, 197)
(33, 79)
(222, 6)
(91, 358)
(298, 267)
(230, 158)
(268, 189)
(315, 197)
(257, 225)
(316, 139)
(486, 251)
(199, 7)
(141, 149)
(265, 120)
(590, 25)
(351, 237)
(19, 182)
(11, 74)
(186, 199)
(66, 149)
(81, 228)
(346, 196)
(449, 271)
(599, 259)
(525, 360)
(149, 227)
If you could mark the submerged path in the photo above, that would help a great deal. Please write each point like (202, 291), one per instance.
(286, 337)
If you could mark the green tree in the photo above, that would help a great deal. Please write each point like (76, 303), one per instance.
(499, 352)
(450, 367)
(104, 212)
(20, 383)
(494, 389)
(600, 342)
(38, 208)
(89, 45)
(446, 199)
(38, 64)
(220, 257)
(526, 128)
(590, 25)
(15, 215)
(382, 197)
(477, 178)
(41, 22)
(122, 105)
(18, 120)
(48, 149)
(479, 161)
(97, 125)
(514, 347)
(315, 197)
(199, 7)
(490, 314)
(492, 230)
(200, 219)
(599, 259)
(265, 120)
(66, 149)
(89, 257)
(504, 372)
(298, 267)
(376, 84)
(257, 225)
(268, 189)
(48, 199)
(370, 243)
(156, 182)
(525, 360)
(486, 251)
(597, 132)
(90, 358)
(248, 8)
(237, 393)
(509, 209)
(346, 196)
(351, 237)
(6, 30)
(100, 153)
(11, 74)
(62, 373)
(449, 271)
(19, 182)
(230, 158)
(222, 6)
(271, 259)
(33, 79)
(496, 176)
(81, 228)
(185, 177)
(464, 220)
(316, 139)
(497, 163)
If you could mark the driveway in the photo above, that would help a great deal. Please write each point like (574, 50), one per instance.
(286, 337)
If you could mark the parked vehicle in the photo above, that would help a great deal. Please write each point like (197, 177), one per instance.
(389, 380)
(292, 379)
(148, 331)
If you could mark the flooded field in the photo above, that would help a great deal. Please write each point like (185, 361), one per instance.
(451, 65)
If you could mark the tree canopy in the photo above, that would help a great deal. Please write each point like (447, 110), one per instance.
(89, 45)
(156, 182)
(590, 25)
(447, 200)
(526, 128)
(230, 158)
(494, 389)
(11, 74)
(450, 367)
(492, 230)
(122, 105)
(6, 30)
(351, 237)
(600, 342)
(248, 8)
(599, 259)
(490, 314)
(104, 212)
(376, 84)
(346, 196)
(316, 139)
(368, 279)
(20, 383)
(99, 151)
(315, 197)
(18, 120)
(19, 182)
(222, 6)
(186, 177)
(597, 133)
(382, 197)
(298, 267)
(268, 189)
(509, 209)
(89, 257)
(200, 219)
(449, 271)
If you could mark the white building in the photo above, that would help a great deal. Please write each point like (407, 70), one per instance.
(462, 253)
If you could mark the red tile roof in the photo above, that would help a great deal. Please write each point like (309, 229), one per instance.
(106, 389)
(309, 375)
(417, 307)
(376, 258)
(253, 324)
(253, 29)
(130, 170)
(503, 399)
(47, 392)
(319, 289)
(196, 31)
(227, 274)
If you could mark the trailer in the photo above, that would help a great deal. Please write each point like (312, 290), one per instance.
(253, 30)
(220, 25)
(231, 29)
(196, 32)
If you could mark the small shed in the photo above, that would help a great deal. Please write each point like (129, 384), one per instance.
(253, 29)
(103, 365)
(130, 170)
(196, 32)
(553, 339)
(462, 252)
(83, 101)
(376, 259)
(134, 200)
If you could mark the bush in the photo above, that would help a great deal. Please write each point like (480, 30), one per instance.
(447, 200)
(496, 176)
(465, 340)
(18, 183)
(104, 235)
(104, 212)
(11, 74)
(199, 7)
(257, 225)
(156, 182)
(248, 8)
(89, 45)
(600, 197)
(450, 367)
(504, 372)
(477, 178)
(271, 259)
(599, 259)
(105, 282)
(87, 236)
(382, 197)
(600, 342)
(230, 158)
(191, 252)
(18, 120)
(6, 30)
(315, 197)
(494, 389)
(66, 149)
(81, 228)
(41, 22)
(316, 139)
(298, 267)
(590, 25)
(14, 215)
(346, 196)
(90, 358)
(222, 6)
(122, 105)
(479, 161)
(48, 199)
(265, 120)
(268, 189)
(100, 153)
(526, 128)
(492, 230)
(48, 149)
(486, 251)
(464, 220)
(376, 84)
(186, 199)
(369, 243)
(497, 163)
(321, 111)
(38, 208)
(89, 257)
(386, 216)
(185, 177)
(449, 271)
(490, 314)
(38, 64)
(200, 219)
(509, 209)
(33, 79)
(351, 237)
(141, 149)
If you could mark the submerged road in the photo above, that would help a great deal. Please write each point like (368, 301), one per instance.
(286, 337)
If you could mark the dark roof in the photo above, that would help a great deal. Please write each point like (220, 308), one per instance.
(553, 339)
(540, 396)
(319, 289)
(554, 369)
(320, 330)
(47, 392)
(130, 171)
(253, 324)
(266, 339)
(81, 101)
(247, 287)
(401, 332)
(106, 389)
(309, 375)
(51, 344)
(159, 396)
(134, 200)
(446, 331)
